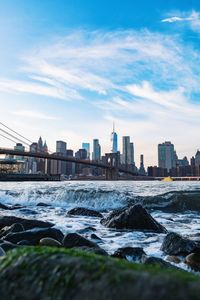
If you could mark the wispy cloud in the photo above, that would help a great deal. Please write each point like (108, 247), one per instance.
(192, 19)
(34, 115)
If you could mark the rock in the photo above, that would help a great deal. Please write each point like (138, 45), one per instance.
(28, 211)
(43, 204)
(7, 246)
(27, 223)
(86, 230)
(95, 237)
(57, 274)
(3, 206)
(175, 244)
(81, 211)
(134, 217)
(34, 235)
(96, 250)
(174, 259)
(49, 242)
(129, 253)
(157, 261)
(17, 227)
(24, 243)
(193, 261)
(10, 207)
(72, 240)
(2, 252)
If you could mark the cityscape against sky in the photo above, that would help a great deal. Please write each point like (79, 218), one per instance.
(69, 68)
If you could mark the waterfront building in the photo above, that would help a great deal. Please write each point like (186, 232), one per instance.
(126, 150)
(86, 146)
(166, 156)
(132, 161)
(96, 155)
(142, 169)
(114, 140)
(61, 147)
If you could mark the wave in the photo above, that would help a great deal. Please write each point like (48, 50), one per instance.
(102, 200)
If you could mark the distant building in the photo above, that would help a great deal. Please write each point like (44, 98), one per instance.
(126, 150)
(166, 156)
(86, 146)
(132, 160)
(61, 147)
(96, 150)
(114, 140)
(142, 169)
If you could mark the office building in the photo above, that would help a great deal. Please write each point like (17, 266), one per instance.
(126, 150)
(166, 156)
(86, 146)
(114, 140)
(96, 155)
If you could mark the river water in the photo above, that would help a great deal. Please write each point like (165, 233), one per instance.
(176, 205)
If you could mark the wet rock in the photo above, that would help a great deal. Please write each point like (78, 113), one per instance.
(174, 259)
(193, 261)
(24, 243)
(10, 207)
(27, 211)
(86, 230)
(49, 242)
(72, 240)
(3, 206)
(150, 260)
(7, 246)
(96, 250)
(43, 204)
(27, 223)
(81, 211)
(95, 237)
(2, 252)
(34, 235)
(129, 253)
(134, 217)
(175, 244)
(17, 227)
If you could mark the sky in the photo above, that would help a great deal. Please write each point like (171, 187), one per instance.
(69, 68)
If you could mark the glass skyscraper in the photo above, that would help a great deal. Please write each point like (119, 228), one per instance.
(86, 146)
(114, 140)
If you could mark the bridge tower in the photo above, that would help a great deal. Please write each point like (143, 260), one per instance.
(112, 159)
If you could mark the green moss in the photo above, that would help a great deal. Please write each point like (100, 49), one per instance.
(55, 272)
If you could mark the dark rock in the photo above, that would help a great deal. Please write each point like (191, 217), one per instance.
(175, 244)
(96, 250)
(10, 207)
(157, 261)
(95, 237)
(7, 246)
(135, 253)
(34, 235)
(174, 259)
(17, 227)
(134, 217)
(81, 211)
(86, 230)
(43, 204)
(49, 242)
(193, 261)
(27, 223)
(3, 206)
(27, 211)
(72, 240)
(24, 243)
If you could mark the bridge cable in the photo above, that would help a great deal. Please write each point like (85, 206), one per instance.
(16, 133)
(7, 138)
(11, 135)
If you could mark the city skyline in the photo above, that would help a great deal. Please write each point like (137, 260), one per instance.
(68, 69)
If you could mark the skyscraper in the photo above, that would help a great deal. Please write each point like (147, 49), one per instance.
(61, 147)
(86, 146)
(96, 155)
(132, 160)
(142, 169)
(114, 140)
(126, 151)
(166, 156)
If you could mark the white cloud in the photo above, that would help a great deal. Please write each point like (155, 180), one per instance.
(192, 18)
(34, 115)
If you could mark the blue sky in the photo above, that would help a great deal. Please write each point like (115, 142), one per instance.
(69, 68)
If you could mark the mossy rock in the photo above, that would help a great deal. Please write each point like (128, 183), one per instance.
(45, 273)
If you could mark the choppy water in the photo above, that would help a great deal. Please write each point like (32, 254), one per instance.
(176, 205)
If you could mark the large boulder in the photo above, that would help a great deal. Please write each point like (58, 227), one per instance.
(134, 217)
(150, 260)
(175, 244)
(16, 227)
(27, 223)
(81, 211)
(129, 253)
(193, 261)
(34, 235)
(72, 240)
(56, 274)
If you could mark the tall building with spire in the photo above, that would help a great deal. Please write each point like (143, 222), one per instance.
(114, 140)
